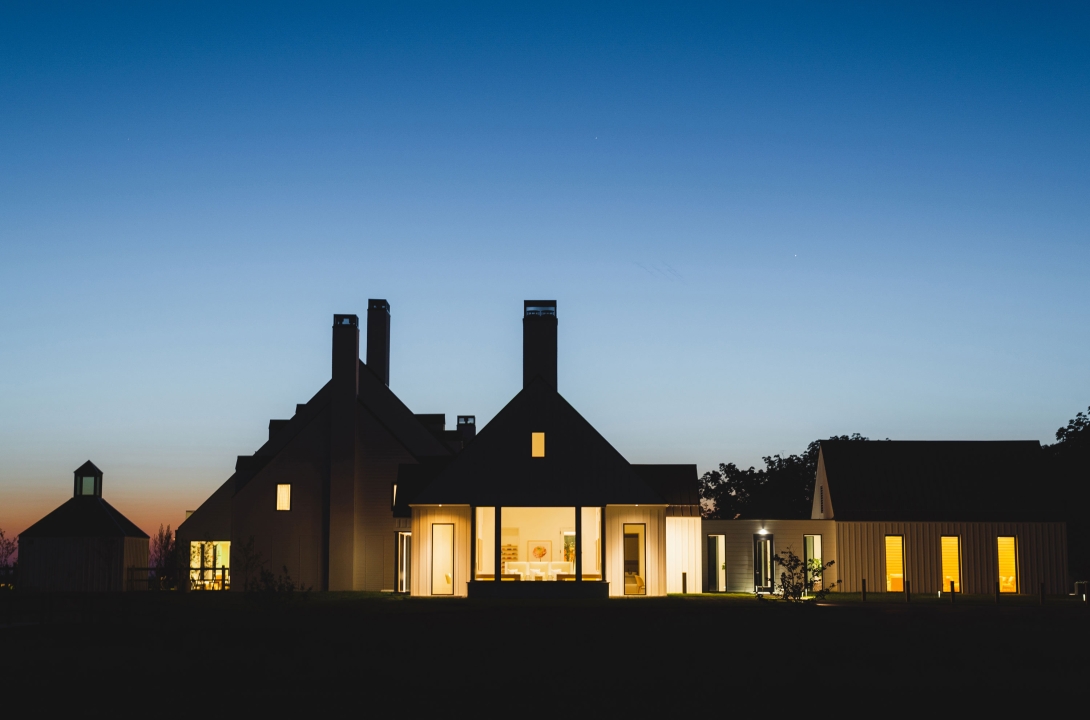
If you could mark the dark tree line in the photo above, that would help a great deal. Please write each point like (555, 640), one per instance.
(784, 488)
(1068, 463)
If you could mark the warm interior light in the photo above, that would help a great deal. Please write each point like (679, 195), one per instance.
(537, 444)
(1008, 566)
(951, 562)
(762, 531)
(283, 497)
(895, 563)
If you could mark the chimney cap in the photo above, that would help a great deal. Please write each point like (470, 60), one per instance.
(374, 304)
(467, 419)
(539, 308)
(350, 320)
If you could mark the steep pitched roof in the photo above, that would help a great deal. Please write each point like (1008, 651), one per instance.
(579, 468)
(936, 480)
(396, 417)
(84, 516)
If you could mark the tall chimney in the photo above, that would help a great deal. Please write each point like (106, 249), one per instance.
(539, 341)
(339, 505)
(378, 339)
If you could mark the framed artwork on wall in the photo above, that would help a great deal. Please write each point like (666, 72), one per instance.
(539, 550)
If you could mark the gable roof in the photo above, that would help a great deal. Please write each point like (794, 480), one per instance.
(967, 481)
(84, 516)
(387, 407)
(580, 467)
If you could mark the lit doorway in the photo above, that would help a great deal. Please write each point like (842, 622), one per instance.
(717, 573)
(404, 562)
(763, 570)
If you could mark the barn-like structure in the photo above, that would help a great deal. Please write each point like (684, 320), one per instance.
(84, 545)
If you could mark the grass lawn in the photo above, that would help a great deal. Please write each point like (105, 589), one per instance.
(389, 655)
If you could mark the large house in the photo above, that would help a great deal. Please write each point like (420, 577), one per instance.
(355, 492)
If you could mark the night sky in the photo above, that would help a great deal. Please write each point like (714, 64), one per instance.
(762, 226)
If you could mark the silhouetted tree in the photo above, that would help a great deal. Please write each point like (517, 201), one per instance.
(164, 558)
(784, 488)
(1069, 469)
(8, 547)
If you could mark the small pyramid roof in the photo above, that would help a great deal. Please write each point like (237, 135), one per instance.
(580, 467)
(88, 469)
(84, 516)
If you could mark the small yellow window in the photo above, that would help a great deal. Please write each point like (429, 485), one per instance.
(895, 563)
(951, 562)
(283, 497)
(1008, 565)
(537, 444)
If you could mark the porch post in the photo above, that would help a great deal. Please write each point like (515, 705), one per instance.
(578, 544)
(472, 543)
(602, 540)
(496, 571)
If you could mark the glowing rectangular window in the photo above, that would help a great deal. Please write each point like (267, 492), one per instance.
(951, 562)
(635, 575)
(895, 563)
(537, 444)
(1008, 564)
(283, 497)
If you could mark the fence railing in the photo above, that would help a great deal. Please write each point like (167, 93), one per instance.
(210, 578)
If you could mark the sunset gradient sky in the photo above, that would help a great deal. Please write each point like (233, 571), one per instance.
(762, 226)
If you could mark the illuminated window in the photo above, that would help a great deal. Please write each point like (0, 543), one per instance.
(442, 559)
(537, 543)
(951, 562)
(592, 543)
(404, 561)
(283, 497)
(717, 572)
(635, 572)
(537, 444)
(486, 544)
(895, 563)
(1008, 564)
(811, 556)
(210, 565)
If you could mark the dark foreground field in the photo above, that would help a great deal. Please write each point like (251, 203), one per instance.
(363, 655)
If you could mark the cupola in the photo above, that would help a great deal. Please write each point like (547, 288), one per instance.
(88, 481)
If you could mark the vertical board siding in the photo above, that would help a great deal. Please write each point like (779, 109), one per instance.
(1041, 551)
(423, 518)
(786, 534)
(683, 554)
(654, 517)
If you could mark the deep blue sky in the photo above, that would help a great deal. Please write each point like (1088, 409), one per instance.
(762, 226)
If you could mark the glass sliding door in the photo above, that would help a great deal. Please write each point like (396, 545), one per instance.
(538, 544)
(635, 568)
(591, 528)
(1007, 549)
(895, 563)
(951, 562)
(717, 573)
(442, 559)
(485, 544)
(811, 556)
(404, 562)
(763, 566)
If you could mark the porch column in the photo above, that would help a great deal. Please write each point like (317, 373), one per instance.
(602, 540)
(472, 543)
(496, 570)
(578, 544)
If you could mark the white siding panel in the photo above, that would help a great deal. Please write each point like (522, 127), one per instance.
(786, 534)
(423, 518)
(654, 517)
(683, 554)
